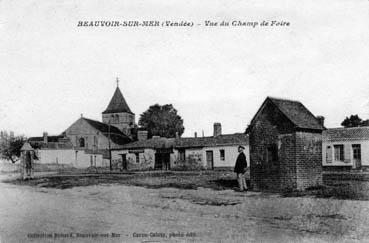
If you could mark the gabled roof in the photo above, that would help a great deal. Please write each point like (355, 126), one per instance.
(116, 135)
(294, 111)
(346, 134)
(117, 103)
(221, 140)
(26, 147)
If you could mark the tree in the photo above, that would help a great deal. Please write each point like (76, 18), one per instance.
(10, 147)
(352, 121)
(161, 121)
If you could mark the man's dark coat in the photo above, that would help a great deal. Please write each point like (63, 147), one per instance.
(241, 164)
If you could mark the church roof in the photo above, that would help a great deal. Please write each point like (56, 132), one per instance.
(116, 135)
(117, 104)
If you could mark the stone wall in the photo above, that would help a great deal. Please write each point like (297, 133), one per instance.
(94, 140)
(123, 121)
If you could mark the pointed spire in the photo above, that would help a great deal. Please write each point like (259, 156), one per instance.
(117, 103)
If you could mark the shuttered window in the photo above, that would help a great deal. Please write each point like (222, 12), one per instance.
(339, 153)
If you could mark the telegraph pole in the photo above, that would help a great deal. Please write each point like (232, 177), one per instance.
(111, 168)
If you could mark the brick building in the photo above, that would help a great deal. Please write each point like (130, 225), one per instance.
(285, 146)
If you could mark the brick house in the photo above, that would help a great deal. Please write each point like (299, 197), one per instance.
(285, 146)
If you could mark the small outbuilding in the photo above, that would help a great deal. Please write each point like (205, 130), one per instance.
(285, 146)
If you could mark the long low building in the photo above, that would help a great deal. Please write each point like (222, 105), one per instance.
(212, 152)
(346, 148)
(60, 151)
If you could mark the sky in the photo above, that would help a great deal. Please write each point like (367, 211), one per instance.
(52, 71)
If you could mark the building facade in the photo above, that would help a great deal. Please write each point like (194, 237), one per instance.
(285, 146)
(57, 151)
(214, 152)
(88, 142)
(346, 148)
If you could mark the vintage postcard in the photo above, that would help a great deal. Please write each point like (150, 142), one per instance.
(184, 121)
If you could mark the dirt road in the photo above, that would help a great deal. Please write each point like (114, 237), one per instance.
(120, 213)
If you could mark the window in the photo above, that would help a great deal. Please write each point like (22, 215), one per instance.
(137, 158)
(222, 154)
(91, 160)
(272, 154)
(82, 142)
(182, 155)
(117, 118)
(339, 153)
(95, 140)
(356, 149)
(328, 154)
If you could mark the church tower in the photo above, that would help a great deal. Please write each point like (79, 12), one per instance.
(118, 113)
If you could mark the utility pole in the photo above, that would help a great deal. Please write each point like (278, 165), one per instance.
(111, 168)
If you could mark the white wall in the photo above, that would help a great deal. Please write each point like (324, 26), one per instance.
(348, 153)
(147, 158)
(230, 152)
(76, 158)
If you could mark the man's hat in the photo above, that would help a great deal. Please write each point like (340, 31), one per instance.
(241, 147)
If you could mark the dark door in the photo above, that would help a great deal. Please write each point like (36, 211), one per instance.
(356, 154)
(209, 160)
(124, 161)
(162, 161)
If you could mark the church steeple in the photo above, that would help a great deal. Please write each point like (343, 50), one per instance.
(117, 103)
(118, 112)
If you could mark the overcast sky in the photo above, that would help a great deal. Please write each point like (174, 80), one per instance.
(51, 71)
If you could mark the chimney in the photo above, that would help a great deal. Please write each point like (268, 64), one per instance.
(142, 135)
(177, 135)
(320, 120)
(45, 137)
(217, 129)
(195, 134)
(202, 133)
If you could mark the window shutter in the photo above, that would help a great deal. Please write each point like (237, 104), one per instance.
(329, 155)
(347, 153)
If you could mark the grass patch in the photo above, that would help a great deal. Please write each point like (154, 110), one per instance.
(182, 180)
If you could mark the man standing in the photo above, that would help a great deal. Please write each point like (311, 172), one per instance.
(240, 168)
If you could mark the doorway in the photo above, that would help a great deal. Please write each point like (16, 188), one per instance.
(356, 155)
(162, 161)
(124, 161)
(209, 160)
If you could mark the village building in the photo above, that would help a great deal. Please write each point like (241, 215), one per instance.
(58, 151)
(346, 148)
(88, 142)
(219, 151)
(285, 146)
